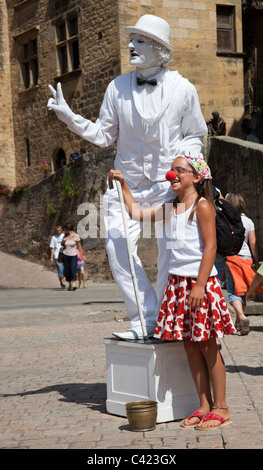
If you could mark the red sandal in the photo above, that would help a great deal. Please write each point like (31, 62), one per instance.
(213, 416)
(195, 414)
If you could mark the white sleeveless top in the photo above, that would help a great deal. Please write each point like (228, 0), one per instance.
(185, 242)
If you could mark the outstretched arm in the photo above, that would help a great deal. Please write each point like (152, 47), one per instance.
(253, 247)
(254, 284)
(103, 132)
(135, 212)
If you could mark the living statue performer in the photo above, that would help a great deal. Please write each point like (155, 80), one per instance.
(153, 114)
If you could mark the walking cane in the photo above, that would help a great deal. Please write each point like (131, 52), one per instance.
(134, 280)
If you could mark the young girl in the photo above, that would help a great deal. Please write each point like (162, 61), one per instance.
(193, 307)
(81, 268)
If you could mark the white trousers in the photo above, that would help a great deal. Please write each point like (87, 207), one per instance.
(150, 194)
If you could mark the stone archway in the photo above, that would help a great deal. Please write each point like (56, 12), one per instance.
(59, 159)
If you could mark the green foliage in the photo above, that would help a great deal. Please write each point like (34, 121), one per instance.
(66, 186)
(51, 212)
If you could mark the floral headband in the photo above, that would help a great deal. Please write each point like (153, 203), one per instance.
(199, 165)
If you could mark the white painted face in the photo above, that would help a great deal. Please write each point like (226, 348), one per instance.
(142, 53)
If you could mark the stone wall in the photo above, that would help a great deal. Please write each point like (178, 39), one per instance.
(237, 166)
(38, 133)
(28, 221)
(7, 146)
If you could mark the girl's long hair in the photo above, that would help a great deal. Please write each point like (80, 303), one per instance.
(237, 201)
(204, 189)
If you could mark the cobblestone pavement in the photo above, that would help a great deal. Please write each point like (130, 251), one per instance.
(53, 377)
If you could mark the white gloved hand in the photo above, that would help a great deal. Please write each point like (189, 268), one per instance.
(59, 105)
(193, 153)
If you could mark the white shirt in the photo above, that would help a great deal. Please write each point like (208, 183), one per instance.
(249, 226)
(55, 243)
(150, 124)
(186, 244)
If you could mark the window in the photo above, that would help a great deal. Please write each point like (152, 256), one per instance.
(29, 63)
(28, 155)
(68, 45)
(27, 54)
(225, 28)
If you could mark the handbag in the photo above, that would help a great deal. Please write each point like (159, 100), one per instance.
(60, 255)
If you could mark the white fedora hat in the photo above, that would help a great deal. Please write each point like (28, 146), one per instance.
(153, 27)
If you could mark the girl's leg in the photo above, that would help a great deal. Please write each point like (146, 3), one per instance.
(200, 374)
(79, 277)
(82, 271)
(217, 374)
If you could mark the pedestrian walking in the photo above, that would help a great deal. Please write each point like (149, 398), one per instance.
(71, 243)
(239, 272)
(55, 247)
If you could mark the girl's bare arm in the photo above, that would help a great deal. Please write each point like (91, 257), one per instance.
(150, 214)
(206, 220)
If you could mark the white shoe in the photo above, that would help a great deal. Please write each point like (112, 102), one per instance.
(135, 333)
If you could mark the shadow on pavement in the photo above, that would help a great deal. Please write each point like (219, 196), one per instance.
(246, 369)
(91, 395)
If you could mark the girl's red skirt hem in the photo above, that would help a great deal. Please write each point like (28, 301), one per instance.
(177, 321)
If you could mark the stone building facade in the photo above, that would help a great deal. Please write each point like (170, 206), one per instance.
(253, 60)
(71, 41)
(207, 36)
(83, 44)
(7, 144)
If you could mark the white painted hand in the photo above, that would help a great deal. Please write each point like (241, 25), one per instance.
(192, 152)
(59, 105)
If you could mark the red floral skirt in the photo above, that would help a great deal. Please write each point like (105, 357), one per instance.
(178, 321)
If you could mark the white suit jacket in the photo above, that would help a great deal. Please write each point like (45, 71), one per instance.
(146, 141)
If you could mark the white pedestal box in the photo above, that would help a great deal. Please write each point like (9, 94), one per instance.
(151, 370)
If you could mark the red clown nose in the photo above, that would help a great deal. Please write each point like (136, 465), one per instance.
(170, 175)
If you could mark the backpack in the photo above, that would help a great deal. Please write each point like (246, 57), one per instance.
(246, 127)
(230, 232)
